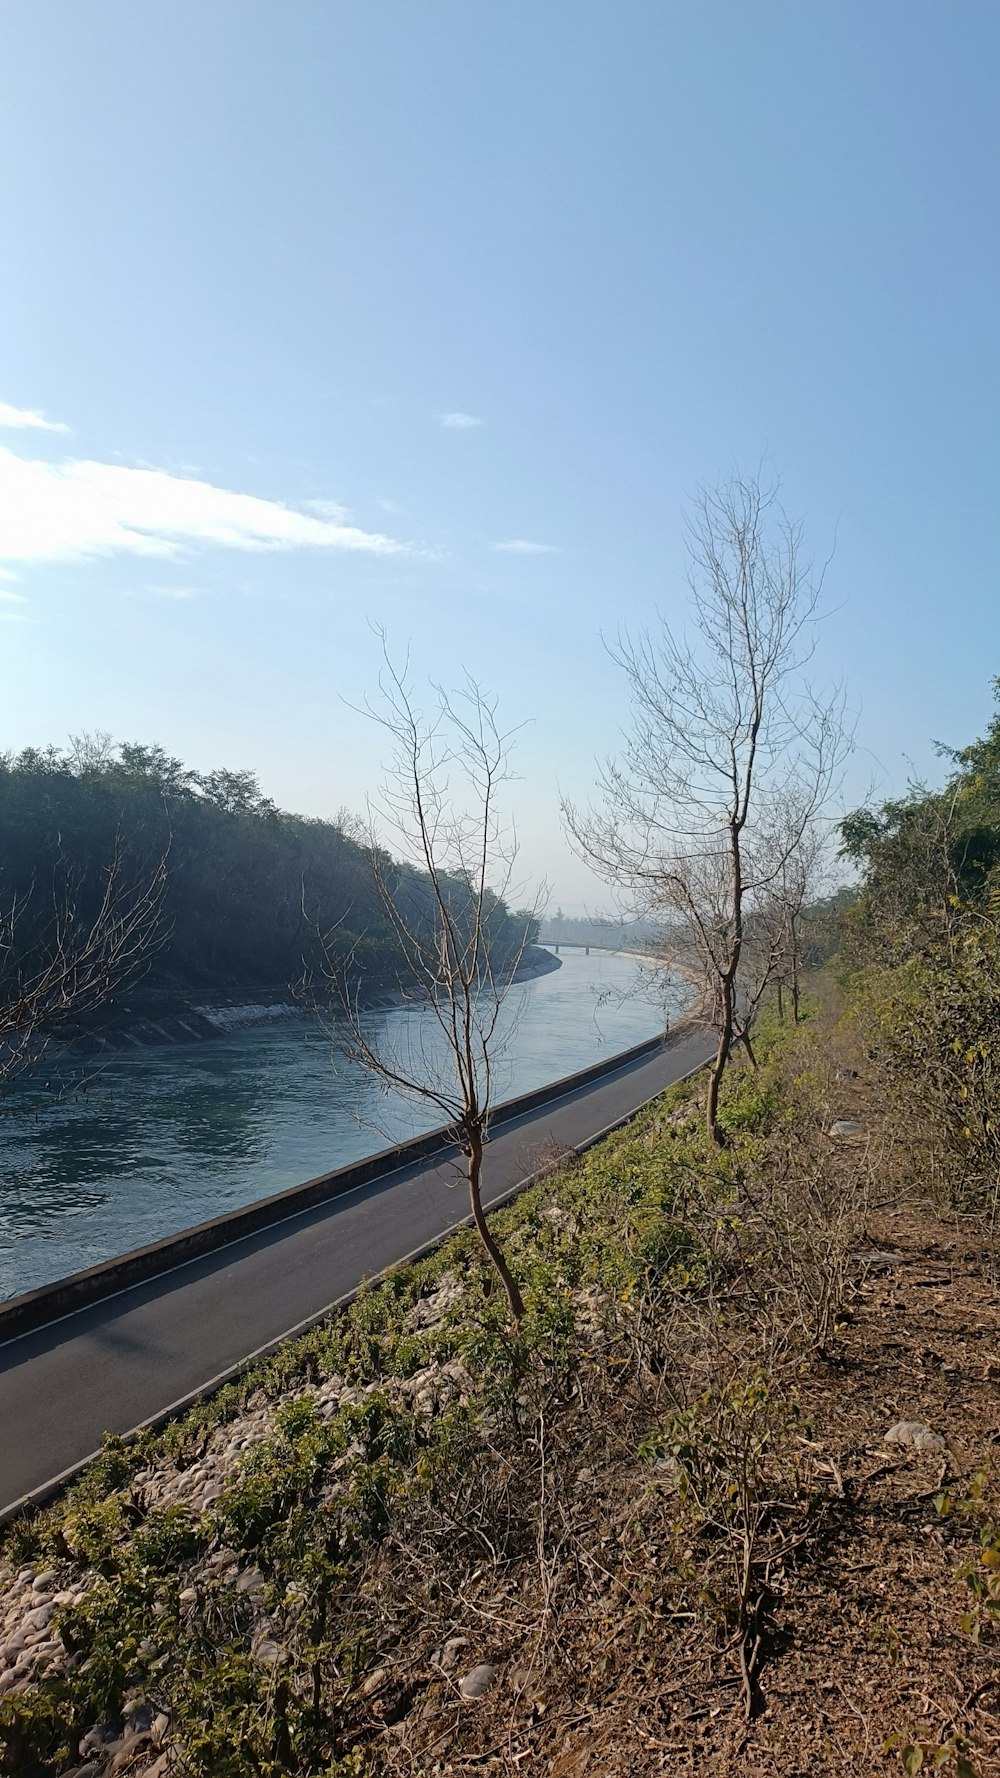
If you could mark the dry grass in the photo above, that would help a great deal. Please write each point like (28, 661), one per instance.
(672, 1526)
(810, 1610)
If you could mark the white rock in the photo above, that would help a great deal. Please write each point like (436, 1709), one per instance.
(269, 1653)
(479, 1681)
(125, 1753)
(100, 1739)
(914, 1434)
(846, 1126)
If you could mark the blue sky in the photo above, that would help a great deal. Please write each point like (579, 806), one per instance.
(434, 314)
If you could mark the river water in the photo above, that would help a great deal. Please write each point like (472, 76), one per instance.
(162, 1138)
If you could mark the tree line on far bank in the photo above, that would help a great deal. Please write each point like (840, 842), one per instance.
(245, 893)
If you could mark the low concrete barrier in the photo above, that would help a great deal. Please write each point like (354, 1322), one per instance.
(36, 1308)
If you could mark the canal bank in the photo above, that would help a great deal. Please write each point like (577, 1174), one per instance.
(154, 1018)
(52, 1302)
(159, 1140)
(141, 1355)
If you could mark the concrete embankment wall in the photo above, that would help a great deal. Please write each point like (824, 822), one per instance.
(36, 1308)
(155, 1017)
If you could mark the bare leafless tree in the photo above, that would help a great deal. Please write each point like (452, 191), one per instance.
(790, 867)
(59, 963)
(443, 859)
(801, 876)
(730, 758)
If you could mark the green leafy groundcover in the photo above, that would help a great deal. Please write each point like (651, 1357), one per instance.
(308, 1505)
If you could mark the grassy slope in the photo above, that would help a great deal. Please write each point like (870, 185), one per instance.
(663, 1516)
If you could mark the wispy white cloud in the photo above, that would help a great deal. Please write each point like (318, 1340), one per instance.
(461, 422)
(523, 546)
(18, 417)
(329, 509)
(80, 509)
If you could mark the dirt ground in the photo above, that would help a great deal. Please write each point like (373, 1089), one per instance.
(863, 1639)
(871, 1621)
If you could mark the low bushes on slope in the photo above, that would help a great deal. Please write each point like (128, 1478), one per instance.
(309, 1572)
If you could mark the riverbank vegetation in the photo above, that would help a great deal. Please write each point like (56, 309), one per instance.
(670, 1523)
(921, 963)
(248, 887)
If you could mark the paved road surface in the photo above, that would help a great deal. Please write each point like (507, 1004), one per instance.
(117, 1363)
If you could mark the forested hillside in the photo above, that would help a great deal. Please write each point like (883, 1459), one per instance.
(249, 887)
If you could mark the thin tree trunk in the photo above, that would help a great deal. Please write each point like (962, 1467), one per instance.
(748, 1046)
(795, 974)
(727, 987)
(718, 1068)
(474, 1155)
(781, 1005)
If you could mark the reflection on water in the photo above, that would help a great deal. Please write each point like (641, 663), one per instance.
(163, 1138)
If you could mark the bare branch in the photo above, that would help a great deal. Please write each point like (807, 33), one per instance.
(730, 761)
(443, 861)
(58, 963)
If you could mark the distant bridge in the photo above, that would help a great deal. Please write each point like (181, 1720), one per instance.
(573, 944)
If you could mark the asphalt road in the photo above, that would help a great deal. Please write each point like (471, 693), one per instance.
(115, 1364)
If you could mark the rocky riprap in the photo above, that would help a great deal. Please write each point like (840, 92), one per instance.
(31, 1648)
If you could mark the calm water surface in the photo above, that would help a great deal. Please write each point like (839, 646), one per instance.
(163, 1138)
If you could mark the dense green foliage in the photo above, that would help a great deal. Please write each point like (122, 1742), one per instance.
(922, 959)
(249, 887)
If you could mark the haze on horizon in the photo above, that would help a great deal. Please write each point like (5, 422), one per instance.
(320, 317)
